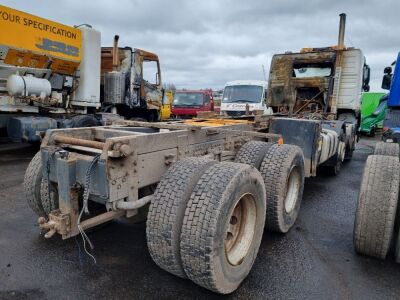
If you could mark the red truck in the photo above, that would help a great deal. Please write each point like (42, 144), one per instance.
(187, 103)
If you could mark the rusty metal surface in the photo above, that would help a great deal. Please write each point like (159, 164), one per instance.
(315, 260)
(287, 93)
(131, 159)
(78, 141)
(139, 93)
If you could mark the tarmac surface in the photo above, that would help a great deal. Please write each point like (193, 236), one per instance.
(315, 260)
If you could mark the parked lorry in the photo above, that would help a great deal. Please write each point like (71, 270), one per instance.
(167, 105)
(377, 215)
(55, 76)
(373, 111)
(323, 84)
(241, 97)
(208, 187)
(188, 103)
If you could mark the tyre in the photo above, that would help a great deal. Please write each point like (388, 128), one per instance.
(376, 207)
(223, 226)
(32, 185)
(283, 171)
(391, 149)
(349, 118)
(167, 209)
(372, 132)
(252, 153)
(335, 169)
(49, 200)
(84, 121)
(138, 119)
(397, 251)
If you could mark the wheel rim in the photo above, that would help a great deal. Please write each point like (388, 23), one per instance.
(240, 229)
(293, 188)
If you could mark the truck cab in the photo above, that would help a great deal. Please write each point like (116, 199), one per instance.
(241, 96)
(391, 123)
(188, 103)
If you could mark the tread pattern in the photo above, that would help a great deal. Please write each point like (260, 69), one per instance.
(32, 183)
(199, 229)
(274, 169)
(391, 149)
(376, 207)
(397, 251)
(167, 209)
(84, 121)
(49, 202)
(252, 153)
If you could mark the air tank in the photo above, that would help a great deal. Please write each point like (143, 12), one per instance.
(28, 86)
(114, 87)
(88, 89)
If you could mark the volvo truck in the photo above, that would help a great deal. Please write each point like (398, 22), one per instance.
(207, 187)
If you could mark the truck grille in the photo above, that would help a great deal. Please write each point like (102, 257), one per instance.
(232, 113)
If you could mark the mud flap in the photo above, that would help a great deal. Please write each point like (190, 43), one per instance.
(303, 133)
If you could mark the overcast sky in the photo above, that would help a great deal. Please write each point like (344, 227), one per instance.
(207, 43)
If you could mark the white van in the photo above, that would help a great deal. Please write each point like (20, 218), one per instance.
(240, 93)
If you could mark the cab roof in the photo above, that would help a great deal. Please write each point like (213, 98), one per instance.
(247, 82)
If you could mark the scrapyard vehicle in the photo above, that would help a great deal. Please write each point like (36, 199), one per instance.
(323, 85)
(191, 103)
(375, 228)
(58, 76)
(210, 186)
(373, 112)
(244, 97)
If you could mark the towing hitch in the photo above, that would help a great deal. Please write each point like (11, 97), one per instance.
(58, 223)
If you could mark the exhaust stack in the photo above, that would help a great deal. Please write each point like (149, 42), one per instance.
(115, 53)
(342, 27)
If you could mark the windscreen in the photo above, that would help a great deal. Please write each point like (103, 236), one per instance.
(188, 99)
(242, 94)
(311, 70)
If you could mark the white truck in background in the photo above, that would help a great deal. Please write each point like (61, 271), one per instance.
(243, 97)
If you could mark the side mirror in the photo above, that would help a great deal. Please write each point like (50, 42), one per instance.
(386, 81)
(387, 70)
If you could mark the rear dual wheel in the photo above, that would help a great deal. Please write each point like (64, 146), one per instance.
(167, 209)
(283, 172)
(282, 168)
(223, 226)
(206, 222)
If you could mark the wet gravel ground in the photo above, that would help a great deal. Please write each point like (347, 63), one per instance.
(315, 260)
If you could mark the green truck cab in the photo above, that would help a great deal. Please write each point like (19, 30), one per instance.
(373, 112)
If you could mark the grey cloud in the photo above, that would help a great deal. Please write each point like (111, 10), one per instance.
(206, 43)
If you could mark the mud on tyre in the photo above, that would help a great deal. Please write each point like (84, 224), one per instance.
(376, 207)
(167, 210)
(32, 185)
(283, 172)
(223, 226)
(252, 153)
(391, 149)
